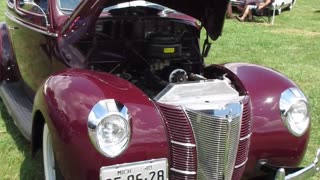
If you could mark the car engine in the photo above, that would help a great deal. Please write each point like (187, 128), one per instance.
(143, 48)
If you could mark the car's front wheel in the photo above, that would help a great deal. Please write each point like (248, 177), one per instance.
(48, 155)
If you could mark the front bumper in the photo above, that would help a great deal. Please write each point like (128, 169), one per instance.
(304, 173)
(287, 173)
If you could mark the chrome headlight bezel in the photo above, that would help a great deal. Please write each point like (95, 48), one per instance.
(293, 100)
(106, 118)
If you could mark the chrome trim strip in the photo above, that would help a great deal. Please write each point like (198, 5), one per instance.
(183, 172)
(242, 164)
(183, 144)
(10, 5)
(24, 24)
(246, 137)
(16, 9)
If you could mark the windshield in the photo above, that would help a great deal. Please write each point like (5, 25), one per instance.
(68, 5)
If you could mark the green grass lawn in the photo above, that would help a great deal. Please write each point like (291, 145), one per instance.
(291, 46)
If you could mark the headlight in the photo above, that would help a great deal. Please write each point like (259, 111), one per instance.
(294, 110)
(109, 128)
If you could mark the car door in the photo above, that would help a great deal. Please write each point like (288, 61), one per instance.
(28, 23)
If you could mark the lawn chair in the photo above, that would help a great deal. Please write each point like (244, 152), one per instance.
(275, 8)
(269, 12)
(272, 11)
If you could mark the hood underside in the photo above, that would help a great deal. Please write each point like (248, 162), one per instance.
(210, 12)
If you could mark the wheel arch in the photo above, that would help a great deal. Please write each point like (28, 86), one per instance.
(64, 102)
(37, 130)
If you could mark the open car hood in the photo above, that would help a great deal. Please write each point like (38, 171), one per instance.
(210, 12)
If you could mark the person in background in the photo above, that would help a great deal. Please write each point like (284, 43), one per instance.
(242, 6)
(249, 9)
(229, 11)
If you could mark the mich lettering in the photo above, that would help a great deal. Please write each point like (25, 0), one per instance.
(148, 167)
(124, 171)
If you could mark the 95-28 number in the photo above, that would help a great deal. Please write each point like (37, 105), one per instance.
(159, 175)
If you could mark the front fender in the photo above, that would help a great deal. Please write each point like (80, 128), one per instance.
(8, 65)
(270, 139)
(67, 99)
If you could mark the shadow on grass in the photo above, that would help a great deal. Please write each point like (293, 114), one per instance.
(317, 11)
(31, 167)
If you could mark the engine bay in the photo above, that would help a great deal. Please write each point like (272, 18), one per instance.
(143, 48)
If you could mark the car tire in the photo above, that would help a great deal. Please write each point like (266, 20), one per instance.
(51, 169)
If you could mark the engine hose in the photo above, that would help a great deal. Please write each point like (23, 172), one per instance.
(153, 81)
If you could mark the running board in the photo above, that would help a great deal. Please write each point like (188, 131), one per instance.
(19, 107)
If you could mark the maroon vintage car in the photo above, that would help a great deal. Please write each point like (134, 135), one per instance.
(118, 90)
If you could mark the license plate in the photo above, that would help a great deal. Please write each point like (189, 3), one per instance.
(145, 170)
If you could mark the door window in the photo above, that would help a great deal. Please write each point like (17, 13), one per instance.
(30, 6)
(33, 11)
(43, 4)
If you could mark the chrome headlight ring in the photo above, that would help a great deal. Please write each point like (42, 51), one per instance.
(109, 127)
(294, 109)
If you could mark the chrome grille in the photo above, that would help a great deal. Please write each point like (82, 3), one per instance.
(210, 151)
(200, 111)
(217, 140)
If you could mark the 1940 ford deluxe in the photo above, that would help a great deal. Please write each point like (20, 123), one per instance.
(118, 90)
